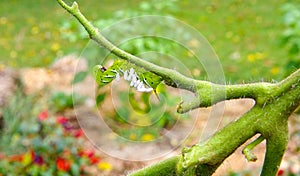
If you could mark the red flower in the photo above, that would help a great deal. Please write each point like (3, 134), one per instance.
(78, 133)
(81, 153)
(89, 153)
(61, 120)
(43, 115)
(280, 172)
(63, 164)
(94, 159)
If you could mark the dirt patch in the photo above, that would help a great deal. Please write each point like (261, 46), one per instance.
(208, 120)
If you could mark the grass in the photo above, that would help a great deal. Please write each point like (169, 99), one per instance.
(245, 34)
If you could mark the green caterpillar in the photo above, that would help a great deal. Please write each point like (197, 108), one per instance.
(137, 76)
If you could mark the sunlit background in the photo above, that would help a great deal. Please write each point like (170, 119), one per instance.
(254, 40)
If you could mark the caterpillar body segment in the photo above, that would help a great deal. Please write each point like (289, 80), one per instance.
(139, 78)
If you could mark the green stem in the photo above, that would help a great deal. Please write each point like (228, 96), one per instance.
(204, 90)
(248, 150)
(269, 116)
(166, 167)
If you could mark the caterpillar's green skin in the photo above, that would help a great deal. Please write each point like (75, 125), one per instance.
(104, 76)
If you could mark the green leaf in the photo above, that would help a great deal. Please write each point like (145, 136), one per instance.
(100, 98)
(80, 76)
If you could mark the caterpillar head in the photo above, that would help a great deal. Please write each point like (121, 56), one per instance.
(98, 72)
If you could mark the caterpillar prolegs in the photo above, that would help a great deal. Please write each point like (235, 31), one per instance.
(139, 78)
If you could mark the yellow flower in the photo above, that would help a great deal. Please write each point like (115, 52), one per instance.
(147, 137)
(274, 70)
(27, 158)
(250, 57)
(256, 56)
(55, 46)
(104, 166)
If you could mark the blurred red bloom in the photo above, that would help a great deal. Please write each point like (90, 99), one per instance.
(61, 120)
(94, 159)
(90, 154)
(63, 164)
(78, 133)
(43, 115)
(280, 172)
(87, 153)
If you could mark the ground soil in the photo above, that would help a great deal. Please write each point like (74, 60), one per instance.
(58, 78)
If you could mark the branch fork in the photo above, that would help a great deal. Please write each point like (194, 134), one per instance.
(274, 104)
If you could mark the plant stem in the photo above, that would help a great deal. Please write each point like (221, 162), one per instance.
(269, 116)
(207, 93)
(248, 150)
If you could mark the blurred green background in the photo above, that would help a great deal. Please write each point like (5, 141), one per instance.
(247, 35)
(255, 40)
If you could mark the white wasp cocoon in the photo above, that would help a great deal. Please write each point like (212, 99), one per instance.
(133, 81)
(140, 85)
(126, 75)
(117, 77)
(131, 71)
(143, 89)
(136, 83)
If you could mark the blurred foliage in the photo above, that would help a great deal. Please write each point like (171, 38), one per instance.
(134, 46)
(140, 118)
(32, 35)
(144, 111)
(291, 35)
(34, 142)
(61, 101)
(236, 54)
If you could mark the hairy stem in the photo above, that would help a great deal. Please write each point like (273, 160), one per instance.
(269, 116)
(166, 167)
(248, 150)
(205, 91)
